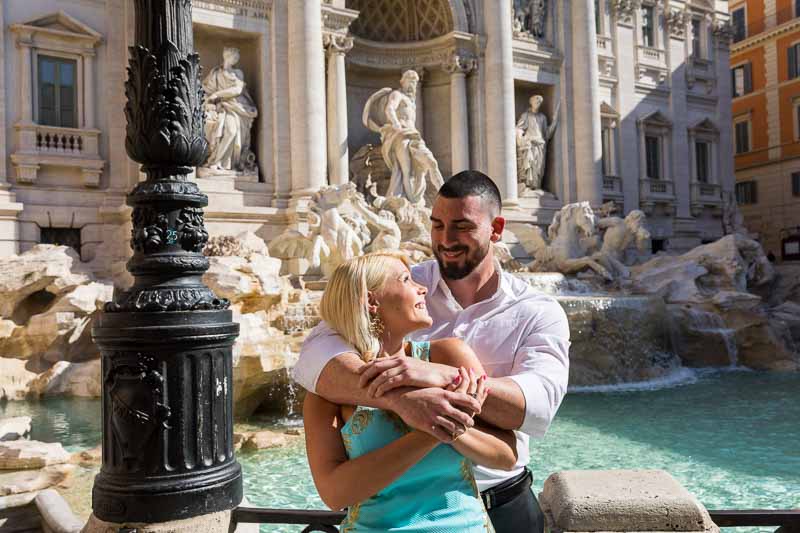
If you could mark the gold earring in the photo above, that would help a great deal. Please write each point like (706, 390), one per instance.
(376, 326)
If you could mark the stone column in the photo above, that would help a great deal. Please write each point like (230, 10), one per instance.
(9, 207)
(586, 104)
(306, 98)
(338, 155)
(88, 91)
(458, 67)
(25, 78)
(500, 140)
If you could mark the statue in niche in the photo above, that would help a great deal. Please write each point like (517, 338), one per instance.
(533, 134)
(230, 112)
(393, 114)
(530, 16)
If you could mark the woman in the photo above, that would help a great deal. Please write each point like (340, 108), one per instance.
(389, 476)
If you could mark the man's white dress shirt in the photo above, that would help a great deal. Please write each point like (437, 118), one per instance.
(517, 333)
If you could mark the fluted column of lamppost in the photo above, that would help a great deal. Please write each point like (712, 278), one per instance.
(166, 343)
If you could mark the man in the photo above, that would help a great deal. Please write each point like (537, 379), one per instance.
(520, 336)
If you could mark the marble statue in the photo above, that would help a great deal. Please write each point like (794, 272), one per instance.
(732, 218)
(620, 235)
(530, 16)
(533, 134)
(385, 234)
(392, 113)
(230, 112)
(570, 245)
(330, 240)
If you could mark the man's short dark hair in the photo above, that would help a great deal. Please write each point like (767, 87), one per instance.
(473, 183)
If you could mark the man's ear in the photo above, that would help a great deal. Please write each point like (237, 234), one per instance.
(498, 225)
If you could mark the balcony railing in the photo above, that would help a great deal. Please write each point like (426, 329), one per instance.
(612, 187)
(653, 188)
(605, 45)
(653, 56)
(39, 145)
(706, 195)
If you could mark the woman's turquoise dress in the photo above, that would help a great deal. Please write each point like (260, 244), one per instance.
(436, 495)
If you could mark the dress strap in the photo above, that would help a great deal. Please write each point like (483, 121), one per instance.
(421, 350)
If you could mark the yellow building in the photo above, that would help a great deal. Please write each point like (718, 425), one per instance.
(765, 80)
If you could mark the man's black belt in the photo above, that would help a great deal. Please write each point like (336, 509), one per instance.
(507, 490)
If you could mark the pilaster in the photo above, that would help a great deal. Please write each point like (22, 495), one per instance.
(458, 67)
(338, 155)
(500, 139)
(307, 98)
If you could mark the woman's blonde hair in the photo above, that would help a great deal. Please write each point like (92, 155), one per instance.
(344, 304)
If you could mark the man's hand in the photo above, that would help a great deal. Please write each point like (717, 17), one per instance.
(387, 373)
(436, 411)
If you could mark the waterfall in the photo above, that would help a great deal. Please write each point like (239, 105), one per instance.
(708, 323)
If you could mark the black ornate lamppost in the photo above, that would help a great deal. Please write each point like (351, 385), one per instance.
(166, 343)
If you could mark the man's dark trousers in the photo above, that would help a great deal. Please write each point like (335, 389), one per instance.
(520, 514)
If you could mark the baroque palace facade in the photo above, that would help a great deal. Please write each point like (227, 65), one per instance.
(765, 74)
(636, 92)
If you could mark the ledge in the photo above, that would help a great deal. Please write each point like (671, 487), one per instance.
(620, 500)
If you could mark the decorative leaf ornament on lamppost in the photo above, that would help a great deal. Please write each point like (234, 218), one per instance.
(166, 343)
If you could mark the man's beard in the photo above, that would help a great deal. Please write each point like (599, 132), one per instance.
(471, 261)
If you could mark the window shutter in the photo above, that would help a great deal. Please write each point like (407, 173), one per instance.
(748, 78)
(792, 61)
(733, 83)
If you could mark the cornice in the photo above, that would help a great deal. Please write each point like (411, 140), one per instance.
(761, 38)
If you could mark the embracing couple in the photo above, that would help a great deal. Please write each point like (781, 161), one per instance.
(427, 381)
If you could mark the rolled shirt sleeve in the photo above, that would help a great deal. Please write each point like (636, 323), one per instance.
(321, 345)
(541, 368)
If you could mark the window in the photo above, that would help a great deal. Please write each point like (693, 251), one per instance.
(742, 79)
(58, 95)
(793, 53)
(702, 151)
(739, 25)
(652, 147)
(797, 8)
(697, 27)
(742, 136)
(62, 236)
(598, 28)
(746, 192)
(796, 184)
(648, 26)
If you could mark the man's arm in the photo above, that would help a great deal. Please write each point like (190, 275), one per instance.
(329, 367)
(528, 399)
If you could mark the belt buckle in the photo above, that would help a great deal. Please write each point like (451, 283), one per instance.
(487, 501)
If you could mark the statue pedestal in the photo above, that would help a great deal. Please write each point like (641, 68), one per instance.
(229, 175)
(535, 207)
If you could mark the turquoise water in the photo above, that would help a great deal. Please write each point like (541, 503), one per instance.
(731, 438)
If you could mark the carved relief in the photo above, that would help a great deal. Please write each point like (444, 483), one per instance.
(676, 22)
(624, 10)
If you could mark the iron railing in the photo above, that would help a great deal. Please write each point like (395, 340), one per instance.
(325, 521)
(786, 520)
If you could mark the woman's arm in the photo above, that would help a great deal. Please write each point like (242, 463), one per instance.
(483, 444)
(342, 482)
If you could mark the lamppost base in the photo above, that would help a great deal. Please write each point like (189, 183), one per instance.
(219, 522)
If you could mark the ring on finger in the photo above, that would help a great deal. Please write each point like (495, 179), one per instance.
(473, 394)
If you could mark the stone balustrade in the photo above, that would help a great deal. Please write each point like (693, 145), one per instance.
(39, 146)
(612, 189)
(651, 55)
(656, 192)
(706, 195)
